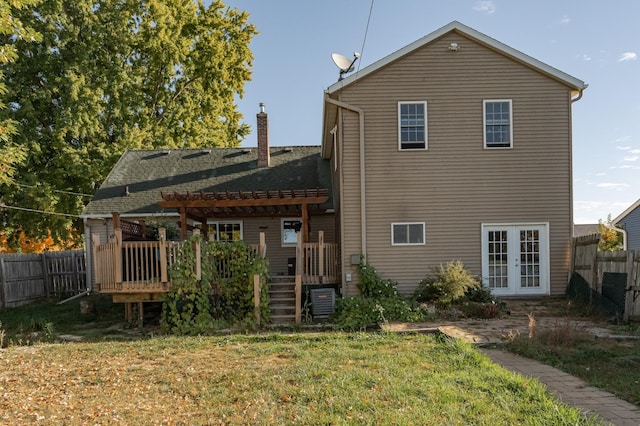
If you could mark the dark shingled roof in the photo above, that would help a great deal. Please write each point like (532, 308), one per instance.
(145, 173)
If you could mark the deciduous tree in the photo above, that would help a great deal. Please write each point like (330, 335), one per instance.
(111, 75)
(11, 29)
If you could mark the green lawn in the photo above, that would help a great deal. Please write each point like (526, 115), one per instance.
(302, 379)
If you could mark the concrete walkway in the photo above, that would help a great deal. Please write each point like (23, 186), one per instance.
(570, 389)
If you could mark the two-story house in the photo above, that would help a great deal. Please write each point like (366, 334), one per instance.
(455, 147)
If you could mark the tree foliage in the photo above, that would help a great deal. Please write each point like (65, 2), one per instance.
(610, 239)
(10, 29)
(111, 75)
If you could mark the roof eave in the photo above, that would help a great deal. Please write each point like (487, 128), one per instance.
(625, 213)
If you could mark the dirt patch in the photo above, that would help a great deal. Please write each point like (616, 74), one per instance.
(522, 317)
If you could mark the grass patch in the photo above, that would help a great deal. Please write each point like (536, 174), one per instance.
(603, 363)
(330, 378)
(45, 321)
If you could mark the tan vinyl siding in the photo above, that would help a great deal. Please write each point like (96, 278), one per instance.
(457, 184)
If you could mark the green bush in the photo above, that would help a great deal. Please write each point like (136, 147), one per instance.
(449, 284)
(378, 302)
(224, 294)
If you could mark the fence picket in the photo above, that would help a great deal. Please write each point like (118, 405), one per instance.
(25, 278)
(592, 265)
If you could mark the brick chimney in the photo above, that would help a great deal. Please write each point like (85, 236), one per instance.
(264, 157)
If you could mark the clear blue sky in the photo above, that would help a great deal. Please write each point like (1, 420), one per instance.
(595, 41)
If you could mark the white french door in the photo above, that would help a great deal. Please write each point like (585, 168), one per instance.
(515, 259)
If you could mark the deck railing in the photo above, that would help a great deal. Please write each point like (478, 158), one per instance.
(142, 266)
(317, 262)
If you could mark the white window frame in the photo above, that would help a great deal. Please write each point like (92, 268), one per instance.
(484, 122)
(225, 222)
(408, 243)
(426, 122)
(282, 231)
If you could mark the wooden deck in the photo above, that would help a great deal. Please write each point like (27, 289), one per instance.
(141, 267)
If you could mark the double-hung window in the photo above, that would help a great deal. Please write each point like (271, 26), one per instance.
(412, 125)
(407, 233)
(498, 124)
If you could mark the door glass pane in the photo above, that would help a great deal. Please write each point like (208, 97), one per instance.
(498, 259)
(529, 258)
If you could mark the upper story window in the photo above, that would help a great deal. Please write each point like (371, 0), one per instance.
(412, 125)
(498, 124)
(407, 233)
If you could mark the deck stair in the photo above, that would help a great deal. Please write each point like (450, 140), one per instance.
(282, 299)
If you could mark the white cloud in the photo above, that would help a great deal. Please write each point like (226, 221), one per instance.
(628, 56)
(635, 151)
(614, 186)
(565, 20)
(623, 139)
(623, 148)
(631, 158)
(485, 6)
(586, 57)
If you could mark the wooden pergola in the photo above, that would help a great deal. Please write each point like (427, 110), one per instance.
(200, 206)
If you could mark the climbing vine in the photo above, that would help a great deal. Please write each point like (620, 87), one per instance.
(224, 294)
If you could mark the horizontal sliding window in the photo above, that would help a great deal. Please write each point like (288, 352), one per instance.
(407, 233)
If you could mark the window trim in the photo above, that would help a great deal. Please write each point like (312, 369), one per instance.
(484, 122)
(426, 126)
(424, 234)
(282, 221)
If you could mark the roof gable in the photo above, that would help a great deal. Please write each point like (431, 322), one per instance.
(572, 82)
(626, 213)
(134, 185)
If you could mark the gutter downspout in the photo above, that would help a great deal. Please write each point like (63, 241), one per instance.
(363, 212)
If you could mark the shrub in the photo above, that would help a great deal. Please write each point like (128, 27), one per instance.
(449, 284)
(378, 302)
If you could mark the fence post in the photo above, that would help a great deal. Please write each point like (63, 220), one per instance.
(256, 298)
(45, 275)
(162, 234)
(629, 289)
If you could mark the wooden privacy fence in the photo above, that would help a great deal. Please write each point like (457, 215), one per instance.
(25, 278)
(592, 265)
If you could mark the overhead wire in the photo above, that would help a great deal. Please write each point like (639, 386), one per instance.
(366, 32)
(4, 206)
(56, 190)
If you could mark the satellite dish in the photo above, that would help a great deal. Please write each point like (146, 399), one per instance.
(343, 63)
